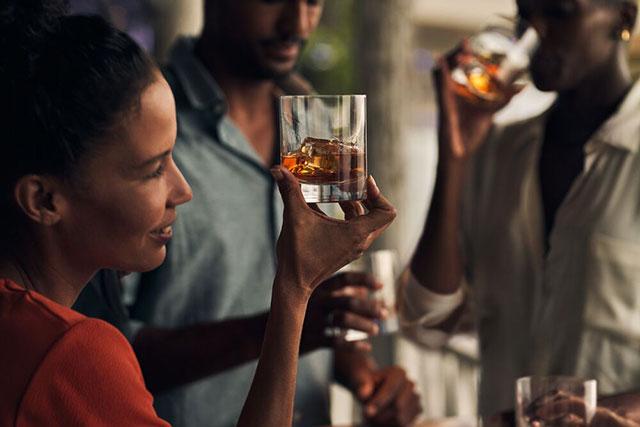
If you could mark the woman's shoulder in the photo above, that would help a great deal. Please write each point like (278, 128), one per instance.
(30, 306)
(95, 348)
(64, 366)
(90, 376)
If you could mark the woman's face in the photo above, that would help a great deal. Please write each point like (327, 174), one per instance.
(579, 39)
(119, 215)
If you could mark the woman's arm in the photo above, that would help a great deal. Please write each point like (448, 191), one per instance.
(311, 246)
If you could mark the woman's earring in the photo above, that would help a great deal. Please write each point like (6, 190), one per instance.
(625, 35)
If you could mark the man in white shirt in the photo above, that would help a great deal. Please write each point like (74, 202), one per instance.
(540, 214)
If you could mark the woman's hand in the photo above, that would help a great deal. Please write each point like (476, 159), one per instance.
(312, 245)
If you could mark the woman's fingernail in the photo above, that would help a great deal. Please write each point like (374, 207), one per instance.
(276, 173)
(373, 181)
(384, 313)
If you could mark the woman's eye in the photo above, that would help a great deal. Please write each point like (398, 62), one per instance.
(157, 173)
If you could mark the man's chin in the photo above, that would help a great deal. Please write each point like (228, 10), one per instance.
(274, 67)
(278, 71)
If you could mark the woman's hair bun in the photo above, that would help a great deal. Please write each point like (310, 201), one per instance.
(24, 23)
(32, 14)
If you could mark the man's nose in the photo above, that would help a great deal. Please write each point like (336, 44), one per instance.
(295, 19)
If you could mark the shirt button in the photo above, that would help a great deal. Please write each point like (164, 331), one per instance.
(297, 416)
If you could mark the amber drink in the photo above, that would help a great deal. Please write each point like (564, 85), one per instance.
(324, 145)
(495, 60)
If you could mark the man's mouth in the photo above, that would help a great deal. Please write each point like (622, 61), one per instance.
(283, 48)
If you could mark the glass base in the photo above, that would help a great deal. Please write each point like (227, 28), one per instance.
(325, 193)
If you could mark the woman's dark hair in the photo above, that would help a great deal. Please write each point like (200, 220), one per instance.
(66, 82)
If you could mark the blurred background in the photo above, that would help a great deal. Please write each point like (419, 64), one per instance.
(384, 49)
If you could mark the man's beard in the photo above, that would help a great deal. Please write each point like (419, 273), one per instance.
(246, 63)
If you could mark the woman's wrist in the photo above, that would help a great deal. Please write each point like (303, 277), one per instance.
(284, 287)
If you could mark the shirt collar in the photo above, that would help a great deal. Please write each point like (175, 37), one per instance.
(200, 89)
(622, 130)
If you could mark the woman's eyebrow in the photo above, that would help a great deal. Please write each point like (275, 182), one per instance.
(153, 159)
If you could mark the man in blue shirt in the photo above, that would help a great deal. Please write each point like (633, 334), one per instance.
(201, 316)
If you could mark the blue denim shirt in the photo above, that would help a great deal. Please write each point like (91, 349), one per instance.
(221, 261)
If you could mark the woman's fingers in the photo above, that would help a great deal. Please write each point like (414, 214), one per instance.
(381, 212)
(351, 209)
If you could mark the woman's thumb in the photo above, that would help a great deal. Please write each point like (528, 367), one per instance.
(289, 187)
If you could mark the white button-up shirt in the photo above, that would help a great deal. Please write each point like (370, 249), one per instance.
(576, 309)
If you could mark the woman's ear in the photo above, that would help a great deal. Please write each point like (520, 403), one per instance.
(39, 198)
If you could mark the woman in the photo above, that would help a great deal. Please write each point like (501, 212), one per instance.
(88, 182)
(538, 212)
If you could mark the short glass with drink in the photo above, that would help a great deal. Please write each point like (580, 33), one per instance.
(555, 401)
(324, 145)
(494, 60)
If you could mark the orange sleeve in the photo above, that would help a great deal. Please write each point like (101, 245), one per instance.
(89, 377)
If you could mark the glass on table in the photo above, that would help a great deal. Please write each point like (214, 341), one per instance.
(494, 60)
(324, 145)
(555, 401)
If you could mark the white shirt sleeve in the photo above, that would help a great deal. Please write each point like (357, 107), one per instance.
(420, 310)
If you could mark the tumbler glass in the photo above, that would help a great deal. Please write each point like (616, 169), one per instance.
(555, 401)
(497, 57)
(324, 145)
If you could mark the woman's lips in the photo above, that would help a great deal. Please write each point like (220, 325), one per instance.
(162, 235)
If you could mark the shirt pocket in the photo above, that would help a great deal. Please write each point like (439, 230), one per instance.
(613, 287)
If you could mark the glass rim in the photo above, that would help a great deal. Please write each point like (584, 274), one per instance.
(322, 96)
(555, 377)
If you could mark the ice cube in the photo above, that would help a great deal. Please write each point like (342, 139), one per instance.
(319, 147)
(296, 161)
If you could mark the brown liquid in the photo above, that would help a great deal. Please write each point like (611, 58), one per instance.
(481, 83)
(325, 162)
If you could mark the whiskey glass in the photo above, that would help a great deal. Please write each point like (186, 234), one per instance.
(324, 145)
(555, 401)
(494, 60)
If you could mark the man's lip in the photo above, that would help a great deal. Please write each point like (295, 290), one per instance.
(284, 49)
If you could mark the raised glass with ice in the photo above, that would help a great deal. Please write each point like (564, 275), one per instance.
(324, 145)
(496, 57)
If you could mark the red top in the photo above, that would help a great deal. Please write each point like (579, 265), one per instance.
(60, 368)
